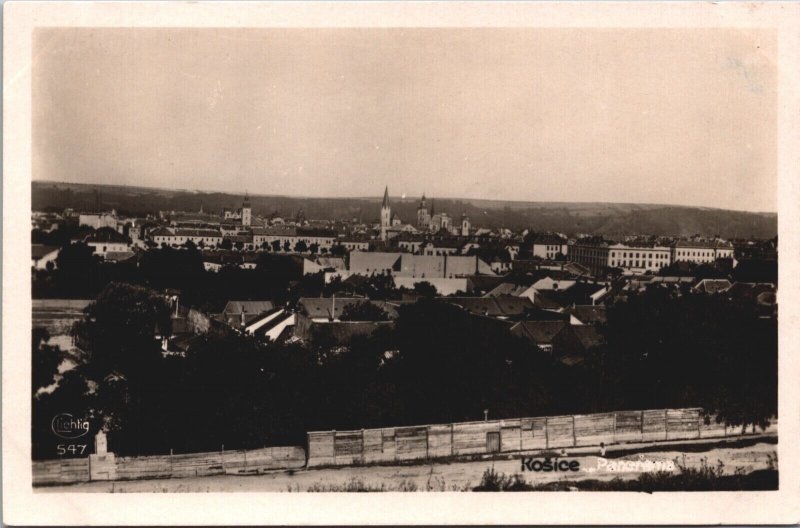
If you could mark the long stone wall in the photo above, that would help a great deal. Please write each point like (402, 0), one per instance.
(108, 467)
(366, 446)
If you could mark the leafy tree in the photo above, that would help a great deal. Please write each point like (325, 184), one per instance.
(313, 248)
(695, 349)
(119, 329)
(287, 246)
(239, 245)
(76, 268)
(226, 244)
(363, 311)
(378, 287)
(338, 250)
(425, 288)
(276, 245)
(46, 359)
(301, 246)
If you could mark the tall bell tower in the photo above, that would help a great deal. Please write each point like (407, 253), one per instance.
(386, 214)
(246, 211)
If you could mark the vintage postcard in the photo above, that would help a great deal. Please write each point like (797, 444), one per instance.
(488, 263)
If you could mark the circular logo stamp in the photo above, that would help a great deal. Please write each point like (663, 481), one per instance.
(68, 426)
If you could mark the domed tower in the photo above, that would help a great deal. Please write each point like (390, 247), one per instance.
(246, 211)
(423, 215)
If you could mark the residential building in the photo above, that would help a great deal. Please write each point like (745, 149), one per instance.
(591, 252)
(639, 258)
(98, 220)
(289, 236)
(701, 252)
(178, 236)
(106, 240)
(548, 246)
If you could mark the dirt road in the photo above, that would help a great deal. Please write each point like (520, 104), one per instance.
(430, 477)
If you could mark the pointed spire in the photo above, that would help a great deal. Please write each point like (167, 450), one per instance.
(433, 209)
(386, 197)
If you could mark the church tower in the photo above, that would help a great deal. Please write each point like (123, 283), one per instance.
(465, 224)
(246, 211)
(423, 216)
(386, 214)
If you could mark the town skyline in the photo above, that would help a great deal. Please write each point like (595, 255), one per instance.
(405, 197)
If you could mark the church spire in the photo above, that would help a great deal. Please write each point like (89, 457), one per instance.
(386, 197)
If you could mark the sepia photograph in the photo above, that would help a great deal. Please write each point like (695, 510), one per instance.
(417, 259)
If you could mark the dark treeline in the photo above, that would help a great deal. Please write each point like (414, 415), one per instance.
(438, 364)
(78, 274)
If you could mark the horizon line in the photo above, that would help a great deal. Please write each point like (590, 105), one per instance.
(380, 197)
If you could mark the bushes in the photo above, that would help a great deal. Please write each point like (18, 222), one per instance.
(493, 481)
(707, 477)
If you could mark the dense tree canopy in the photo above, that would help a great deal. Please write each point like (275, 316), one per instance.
(436, 363)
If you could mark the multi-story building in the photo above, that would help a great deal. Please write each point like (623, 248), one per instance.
(597, 255)
(178, 236)
(99, 220)
(639, 258)
(291, 235)
(701, 252)
(351, 243)
(548, 247)
(592, 252)
(107, 240)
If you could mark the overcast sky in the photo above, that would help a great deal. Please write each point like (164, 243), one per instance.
(652, 116)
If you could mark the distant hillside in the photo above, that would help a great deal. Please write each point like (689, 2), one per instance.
(569, 218)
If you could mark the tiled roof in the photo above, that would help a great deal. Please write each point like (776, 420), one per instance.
(538, 332)
(589, 314)
(40, 250)
(248, 307)
(371, 262)
(588, 336)
(106, 234)
(325, 307)
(331, 262)
(547, 239)
(713, 285)
(499, 306)
(119, 256)
(703, 244)
(190, 232)
(508, 288)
